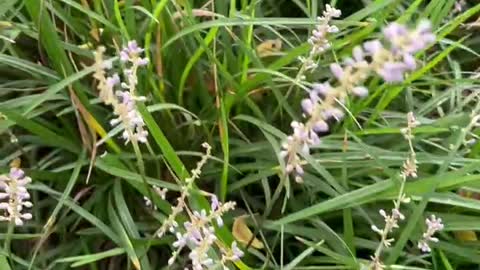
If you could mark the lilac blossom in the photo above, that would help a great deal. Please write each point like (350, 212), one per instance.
(337, 71)
(434, 225)
(319, 38)
(198, 233)
(13, 190)
(130, 118)
(124, 101)
(233, 254)
(393, 218)
(132, 53)
(393, 71)
(237, 253)
(403, 44)
(390, 60)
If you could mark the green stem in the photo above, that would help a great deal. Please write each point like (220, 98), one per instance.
(141, 166)
(8, 239)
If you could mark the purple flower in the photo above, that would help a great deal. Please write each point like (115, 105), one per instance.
(425, 36)
(392, 71)
(360, 91)
(126, 98)
(113, 80)
(318, 40)
(416, 44)
(318, 34)
(322, 88)
(16, 173)
(133, 48)
(391, 62)
(237, 252)
(394, 31)
(313, 95)
(124, 57)
(397, 214)
(181, 240)
(373, 46)
(143, 62)
(424, 28)
(333, 112)
(434, 225)
(307, 106)
(299, 131)
(202, 215)
(409, 61)
(320, 126)
(337, 70)
(313, 138)
(215, 203)
(405, 41)
(358, 53)
(423, 246)
(130, 117)
(132, 53)
(12, 188)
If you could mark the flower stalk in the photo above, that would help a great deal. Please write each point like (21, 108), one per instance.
(326, 102)
(409, 170)
(123, 101)
(15, 196)
(198, 233)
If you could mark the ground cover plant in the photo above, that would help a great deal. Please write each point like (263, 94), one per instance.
(185, 134)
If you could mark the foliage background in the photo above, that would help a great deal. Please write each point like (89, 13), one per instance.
(208, 82)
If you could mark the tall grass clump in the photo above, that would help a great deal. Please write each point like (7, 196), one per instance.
(170, 134)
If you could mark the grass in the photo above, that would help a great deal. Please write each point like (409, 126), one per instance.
(208, 82)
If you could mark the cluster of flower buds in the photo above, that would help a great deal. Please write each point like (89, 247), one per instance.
(198, 233)
(319, 38)
(14, 191)
(395, 216)
(232, 255)
(133, 54)
(391, 223)
(399, 58)
(123, 101)
(162, 192)
(326, 101)
(434, 225)
(409, 168)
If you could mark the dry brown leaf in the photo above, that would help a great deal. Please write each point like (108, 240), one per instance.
(87, 132)
(269, 47)
(243, 234)
(16, 163)
(195, 12)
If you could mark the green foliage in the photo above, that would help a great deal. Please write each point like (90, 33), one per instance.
(207, 82)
